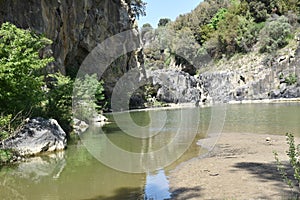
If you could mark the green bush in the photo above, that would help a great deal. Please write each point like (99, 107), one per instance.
(27, 92)
(291, 79)
(293, 153)
(58, 100)
(219, 16)
(235, 34)
(5, 156)
(163, 21)
(258, 10)
(88, 94)
(20, 69)
(5, 126)
(275, 35)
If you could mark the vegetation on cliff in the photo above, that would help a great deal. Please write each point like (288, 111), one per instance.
(223, 28)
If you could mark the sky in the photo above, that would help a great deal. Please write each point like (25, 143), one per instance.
(157, 9)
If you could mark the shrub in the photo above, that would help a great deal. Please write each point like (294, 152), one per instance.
(293, 153)
(88, 93)
(25, 90)
(5, 128)
(291, 79)
(20, 69)
(275, 35)
(5, 156)
(258, 10)
(163, 21)
(58, 100)
(220, 15)
(235, 34)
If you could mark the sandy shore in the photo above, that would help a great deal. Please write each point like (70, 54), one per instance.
(241, 166)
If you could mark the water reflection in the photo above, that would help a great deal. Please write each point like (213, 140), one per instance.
(76, 174)
(157, 186)
(277, 118)
(156, 147)
(16, 180)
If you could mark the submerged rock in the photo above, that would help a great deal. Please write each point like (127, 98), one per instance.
(36, 136)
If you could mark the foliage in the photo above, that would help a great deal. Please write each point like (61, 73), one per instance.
(258, 11)
(227, 27)
(88, 92)
(5, 128)
(275, 35)
(5, 156)
(293, 153)
(217, 18)
(150, 96)
(163, 21)
(20, 69)
(58, 101)
(235, 34)
(147, 25)
(26, 90)
(138, 7)
(203, 34)
(291, 79)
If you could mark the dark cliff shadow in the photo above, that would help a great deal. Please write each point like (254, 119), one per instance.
(268, 172)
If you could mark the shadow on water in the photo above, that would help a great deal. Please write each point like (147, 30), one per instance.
(132, 193)
(268, 172)
(122, 193)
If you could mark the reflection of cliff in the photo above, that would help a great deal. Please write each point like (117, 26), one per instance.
(150, 146)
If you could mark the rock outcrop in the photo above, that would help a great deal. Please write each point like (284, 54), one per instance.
(175, 86)
(255, 77)
(75, 27)
(36, 136)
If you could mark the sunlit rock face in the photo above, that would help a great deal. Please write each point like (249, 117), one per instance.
(76, 28)
(36, 136)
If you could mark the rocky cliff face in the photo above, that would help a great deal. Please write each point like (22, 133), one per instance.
(255, 77)
(75, 27)
(175, 86)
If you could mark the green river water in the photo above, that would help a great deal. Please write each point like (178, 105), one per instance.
(77, 174)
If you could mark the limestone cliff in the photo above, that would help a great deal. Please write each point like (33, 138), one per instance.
(255, 76)
(74, 26)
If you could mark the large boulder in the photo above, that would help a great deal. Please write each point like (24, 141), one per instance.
(36, 136)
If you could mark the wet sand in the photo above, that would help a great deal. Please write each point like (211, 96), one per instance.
(241, 166)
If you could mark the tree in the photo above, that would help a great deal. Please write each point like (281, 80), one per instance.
(26, 89)
(138, 7)
(275, 35)
(147, 25)
(163, 21)
(21, 79)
